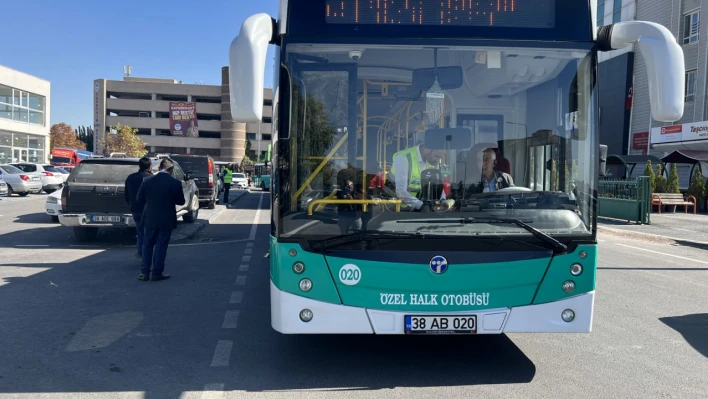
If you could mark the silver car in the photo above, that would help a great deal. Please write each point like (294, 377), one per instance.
(20, 182)
(52, 179)
(3, 188)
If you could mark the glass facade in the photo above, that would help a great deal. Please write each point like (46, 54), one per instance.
(22, 106)
(21, 147)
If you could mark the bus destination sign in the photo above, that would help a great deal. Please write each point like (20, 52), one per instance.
(490, 13)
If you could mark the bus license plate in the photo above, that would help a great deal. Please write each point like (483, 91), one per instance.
(114, 219)
(441, 324)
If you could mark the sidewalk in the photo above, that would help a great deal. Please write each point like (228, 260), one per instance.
(673, 226)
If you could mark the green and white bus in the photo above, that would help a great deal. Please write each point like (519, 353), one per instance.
(435, 163)
(262, 172)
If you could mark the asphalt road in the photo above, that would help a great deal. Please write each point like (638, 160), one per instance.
(77, 323)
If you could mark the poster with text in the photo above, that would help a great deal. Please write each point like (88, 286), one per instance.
(183, 119)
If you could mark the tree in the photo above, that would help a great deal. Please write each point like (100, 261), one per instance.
(673, 184)
(62, 135)
(85, 134)
(697, 188)
(649, 171)
(123, 140)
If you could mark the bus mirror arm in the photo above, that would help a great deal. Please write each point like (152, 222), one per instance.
(663, 57)
(247, 60)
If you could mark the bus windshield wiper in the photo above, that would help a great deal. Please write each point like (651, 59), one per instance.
(360, 235)
(558, 246)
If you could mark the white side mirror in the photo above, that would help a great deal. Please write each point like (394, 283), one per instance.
(247, 59)
(664, 60)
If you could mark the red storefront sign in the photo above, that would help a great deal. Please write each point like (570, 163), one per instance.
(640, 140)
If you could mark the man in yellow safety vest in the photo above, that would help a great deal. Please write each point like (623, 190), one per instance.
(228, 175)
(406, 168)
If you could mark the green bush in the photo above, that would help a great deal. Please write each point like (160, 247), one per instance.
(648, 171)
(660, 184)
(672, 185)
(697, 188)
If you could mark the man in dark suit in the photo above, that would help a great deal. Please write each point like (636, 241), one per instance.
(492, 179)
(160, 194)
(132, 185)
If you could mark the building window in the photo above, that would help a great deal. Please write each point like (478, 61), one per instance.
(690, 89)
(617, 12)
(691, 24)
(21, 106)
(266, 137)
(20, 147)
(600, 12)
(267, 119)
(251, 136)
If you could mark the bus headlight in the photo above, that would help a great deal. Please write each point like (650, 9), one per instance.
(305, 284)
(298, 267)
(567, 315)
(568, 287)
(306, 315)
(576, 269)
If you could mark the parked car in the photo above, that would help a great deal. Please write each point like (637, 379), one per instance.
(53, 205)
(94, 196)
(3, 188)
(20, 182)
(205, 175)
(51, 177)
(64, 173)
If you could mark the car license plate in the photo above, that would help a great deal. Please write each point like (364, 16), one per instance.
(35, 178)
(441, 324)
(105, 219)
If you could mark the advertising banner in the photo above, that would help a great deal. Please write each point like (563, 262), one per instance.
(686, 132)
(640, 141)
(183, 119)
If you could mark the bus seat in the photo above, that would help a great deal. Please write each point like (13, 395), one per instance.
(503, 164)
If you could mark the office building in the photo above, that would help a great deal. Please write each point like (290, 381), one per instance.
(24, 117)
(147, 104)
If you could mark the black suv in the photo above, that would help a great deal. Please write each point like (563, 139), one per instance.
(205, 175)
(94, 195)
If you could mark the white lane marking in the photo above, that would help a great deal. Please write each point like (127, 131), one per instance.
(256, 218)
(249, 245)
(212, 391)
(246, 259)
(31, 246)
(236, 297)
(231, 319)
(243, 268)
(240, 280)
(222, 354)
(248, 251)
(84, 245)
(208, 243)
(662, 253)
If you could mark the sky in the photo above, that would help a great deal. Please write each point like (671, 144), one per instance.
(72, 42)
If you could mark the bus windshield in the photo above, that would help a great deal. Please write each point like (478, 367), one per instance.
(424, 136)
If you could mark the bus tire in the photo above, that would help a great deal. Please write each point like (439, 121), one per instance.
(85, 234)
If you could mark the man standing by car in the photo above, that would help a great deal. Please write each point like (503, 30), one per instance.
(160, 194)
(132, 186)
(228, 176)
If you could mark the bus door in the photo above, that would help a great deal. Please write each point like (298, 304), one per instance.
(546, 169)
(323, 139)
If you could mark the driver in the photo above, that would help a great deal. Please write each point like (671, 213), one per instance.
(406, 168)
(492, 179)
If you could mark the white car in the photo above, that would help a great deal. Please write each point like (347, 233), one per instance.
(239, 180)
(53, 205)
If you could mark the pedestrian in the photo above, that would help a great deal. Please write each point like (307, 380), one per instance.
(228, 175)
(132, 186)
(160, 194)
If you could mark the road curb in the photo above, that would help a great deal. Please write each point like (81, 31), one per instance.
(648, 236)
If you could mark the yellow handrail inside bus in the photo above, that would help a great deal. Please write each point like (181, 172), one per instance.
(319, 167)
(364, 203)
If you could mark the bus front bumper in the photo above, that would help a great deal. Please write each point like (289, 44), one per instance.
(329, 318)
